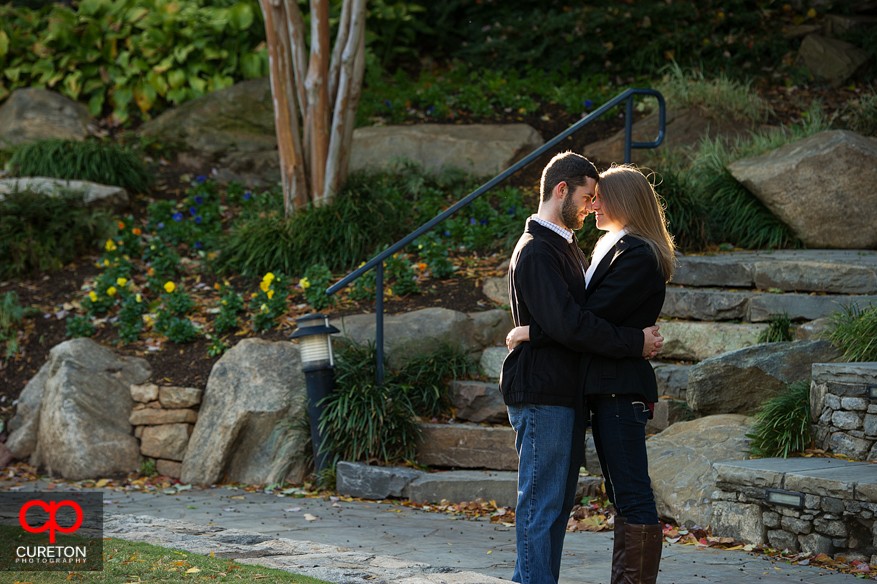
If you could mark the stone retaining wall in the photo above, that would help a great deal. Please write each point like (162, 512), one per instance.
(163, 419)
(836, 517)
(845, 419)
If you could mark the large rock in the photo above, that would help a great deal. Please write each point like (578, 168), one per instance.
(251, 388)
(168, 441)
(832, 59)
(479, 402)
(355, 479)
(672, 379)
(38, 114)
(685, 128)
(419, 331)
(696, 341)
(739, 381)
(73, 415)
(233, 130)
(94, 194)
(481, 149)
(681, 464)
(821, 187)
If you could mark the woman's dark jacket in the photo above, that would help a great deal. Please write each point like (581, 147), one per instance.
(547, 286)
(627, 289)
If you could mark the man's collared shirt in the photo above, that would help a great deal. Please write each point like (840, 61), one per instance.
(561, 231)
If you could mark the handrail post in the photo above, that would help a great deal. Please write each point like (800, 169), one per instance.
(628, 129)
(379, 324)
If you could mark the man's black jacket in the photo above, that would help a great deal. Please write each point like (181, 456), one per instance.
(547, 286)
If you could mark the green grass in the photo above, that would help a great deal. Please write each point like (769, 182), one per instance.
(855, 332)
(92, 160)
(126, 561)
(782, 424)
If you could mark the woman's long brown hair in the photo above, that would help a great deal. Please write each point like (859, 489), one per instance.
(629, 198)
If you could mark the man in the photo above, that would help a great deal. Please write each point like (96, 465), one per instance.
(541, 386)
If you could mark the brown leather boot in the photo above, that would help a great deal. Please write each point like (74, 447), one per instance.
(618, 551)
(642, 553)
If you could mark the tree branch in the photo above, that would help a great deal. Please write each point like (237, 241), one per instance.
(340, 42)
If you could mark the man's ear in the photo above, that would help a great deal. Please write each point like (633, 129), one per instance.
(560, 190)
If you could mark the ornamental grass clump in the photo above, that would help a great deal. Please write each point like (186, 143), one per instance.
(782, 424)
(94, 161)
(427, 377)
(39, 232)
(779, 329)
(855, 332)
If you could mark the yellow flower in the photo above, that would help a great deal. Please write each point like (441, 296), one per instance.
(253, 295)
(264, 308)
(224, 302)
(389, 291)
(111, 291)
(270, 294)
(269, 277)
(110, 245)
(264, 285)
(169, 287)
(121, 282)
(304, 283)
(106, 262)
(93, 296)
(138, 298)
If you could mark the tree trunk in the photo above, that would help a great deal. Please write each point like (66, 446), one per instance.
(316, 86)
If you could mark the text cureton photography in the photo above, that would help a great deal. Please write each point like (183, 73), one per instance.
(51, 531)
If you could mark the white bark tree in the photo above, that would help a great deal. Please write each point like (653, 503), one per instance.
(315, 95)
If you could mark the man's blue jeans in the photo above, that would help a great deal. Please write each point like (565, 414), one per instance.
(549, 458)
(619, 426)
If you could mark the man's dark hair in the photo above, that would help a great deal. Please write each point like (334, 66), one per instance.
(567, 167)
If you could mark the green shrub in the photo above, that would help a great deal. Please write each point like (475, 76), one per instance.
(362, 421)
(40, 233)
(100, 162)
(132, 55)
(230, 304)
(403, 280)
(130, 321)
(317, 278)
(11, 316)
(195, 221)
(427, 378)
(779, 329)
(782, 424)
(80, 326)
(179, 329)
(855, 332)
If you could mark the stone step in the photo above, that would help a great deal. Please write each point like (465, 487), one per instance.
(747, 306)
(467, 446)
(696, 341)
(378, 483)
(801, 270)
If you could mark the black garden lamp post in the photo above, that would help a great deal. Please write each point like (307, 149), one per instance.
(318, 364)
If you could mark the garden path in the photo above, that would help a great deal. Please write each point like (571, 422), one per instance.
(409, 535)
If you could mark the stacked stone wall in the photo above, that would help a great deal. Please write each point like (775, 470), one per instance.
(163, 419)
(844, 417)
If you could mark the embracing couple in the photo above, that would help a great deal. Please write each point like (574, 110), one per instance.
(584, 331)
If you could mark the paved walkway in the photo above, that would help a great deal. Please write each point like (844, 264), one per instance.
(269, 530)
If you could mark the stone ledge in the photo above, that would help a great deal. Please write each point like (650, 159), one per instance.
(467, 446)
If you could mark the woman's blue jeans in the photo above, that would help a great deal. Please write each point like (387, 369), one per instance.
(549, 458)
(618, 422)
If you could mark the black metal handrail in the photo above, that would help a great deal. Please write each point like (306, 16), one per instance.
(377, 262)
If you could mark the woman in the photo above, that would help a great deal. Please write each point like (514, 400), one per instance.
(626, 283)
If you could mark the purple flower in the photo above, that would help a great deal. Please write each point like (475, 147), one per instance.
(472, 221)
(178, 217)
(198, 219)
(387, 103)
(447, 233)
(161, 225)
(588, 104)
(199, 200)
(512, 210)
(193, 211)
(248, 195)
(198, 244)
(484, 221)
(201, 179)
